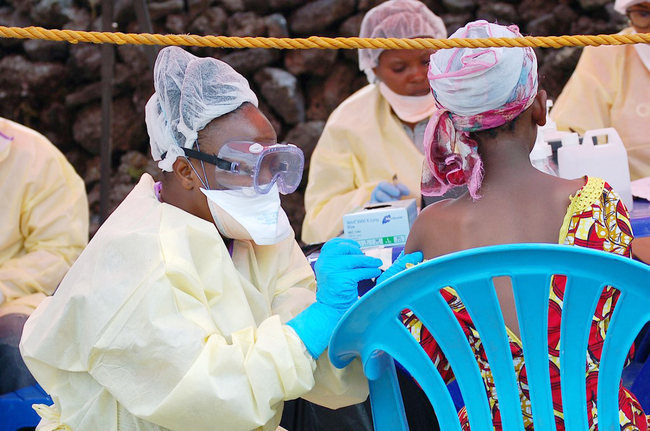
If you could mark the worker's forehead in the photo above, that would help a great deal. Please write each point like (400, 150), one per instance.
(404, 55)
(245, 124)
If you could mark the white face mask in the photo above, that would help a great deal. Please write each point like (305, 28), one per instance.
(643, 49)
(244, 214)
(410, 109)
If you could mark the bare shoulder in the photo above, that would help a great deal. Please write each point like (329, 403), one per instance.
(566, 188)
(433, 228)
(554, 188)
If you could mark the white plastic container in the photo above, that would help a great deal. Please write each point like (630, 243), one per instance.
(607, 161)
(549, 130)
(541, 156)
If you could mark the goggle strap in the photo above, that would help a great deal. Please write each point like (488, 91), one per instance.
(213, 160)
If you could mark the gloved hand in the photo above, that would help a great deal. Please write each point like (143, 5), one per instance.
(386, 192)
(400, 265)
(339, 268)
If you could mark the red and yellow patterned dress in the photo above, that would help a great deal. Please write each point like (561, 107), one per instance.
(597, 219)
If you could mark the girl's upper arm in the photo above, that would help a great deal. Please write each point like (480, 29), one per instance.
(430, 231)
(413, 242)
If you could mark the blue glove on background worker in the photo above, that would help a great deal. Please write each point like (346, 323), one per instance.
(386, 192)
(339, 268)
(400, 265)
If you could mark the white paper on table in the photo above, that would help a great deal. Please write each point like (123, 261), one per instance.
(380, 252)
(641, 188)
(383, 253)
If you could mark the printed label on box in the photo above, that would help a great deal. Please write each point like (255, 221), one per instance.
(386, 224)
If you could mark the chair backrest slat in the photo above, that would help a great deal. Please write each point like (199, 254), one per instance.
(630, 314)
(436, 315)
(531, 301)
(385, 391)
(481, 301)
(408, 353)
(582, 294)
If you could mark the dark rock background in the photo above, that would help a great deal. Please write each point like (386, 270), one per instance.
(54, 87)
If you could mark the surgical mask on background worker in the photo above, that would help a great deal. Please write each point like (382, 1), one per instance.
(251, 177)
(410, 109)
(401, 74)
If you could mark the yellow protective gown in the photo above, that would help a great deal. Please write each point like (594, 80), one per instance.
(157, 327)
(363, 143)
(610, 88)
(44, 217)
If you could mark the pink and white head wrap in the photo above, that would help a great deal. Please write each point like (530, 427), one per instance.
(475, 89)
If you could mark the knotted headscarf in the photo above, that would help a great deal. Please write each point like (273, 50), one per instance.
(475, 89)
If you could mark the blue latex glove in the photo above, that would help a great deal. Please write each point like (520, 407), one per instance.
(400, 265)
(339, 268)
(386, 192)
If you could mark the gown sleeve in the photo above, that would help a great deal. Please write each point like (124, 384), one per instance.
(333, 387)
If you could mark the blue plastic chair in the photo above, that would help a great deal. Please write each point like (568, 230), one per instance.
(372, 330)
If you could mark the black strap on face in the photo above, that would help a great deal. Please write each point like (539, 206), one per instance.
(212, 159)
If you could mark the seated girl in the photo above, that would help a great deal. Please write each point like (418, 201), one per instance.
(481, 137)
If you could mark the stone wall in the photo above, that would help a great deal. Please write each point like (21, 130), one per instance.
(54, 87)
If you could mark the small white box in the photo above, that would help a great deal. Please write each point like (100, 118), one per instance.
(385, 224)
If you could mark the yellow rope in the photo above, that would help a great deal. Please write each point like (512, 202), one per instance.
(74, 36)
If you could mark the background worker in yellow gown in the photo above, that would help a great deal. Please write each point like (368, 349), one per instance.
(371, 147)
(193, 307)
(611, 88)
(43, 228)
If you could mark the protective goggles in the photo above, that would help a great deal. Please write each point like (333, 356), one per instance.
(244, 164)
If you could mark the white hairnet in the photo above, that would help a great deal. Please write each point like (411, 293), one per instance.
(190, 92)
(621, 6)
(397, 19)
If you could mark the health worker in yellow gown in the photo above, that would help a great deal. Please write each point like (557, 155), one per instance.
(611, 88)
(371, 147)
(193, 308)
(43, 229)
